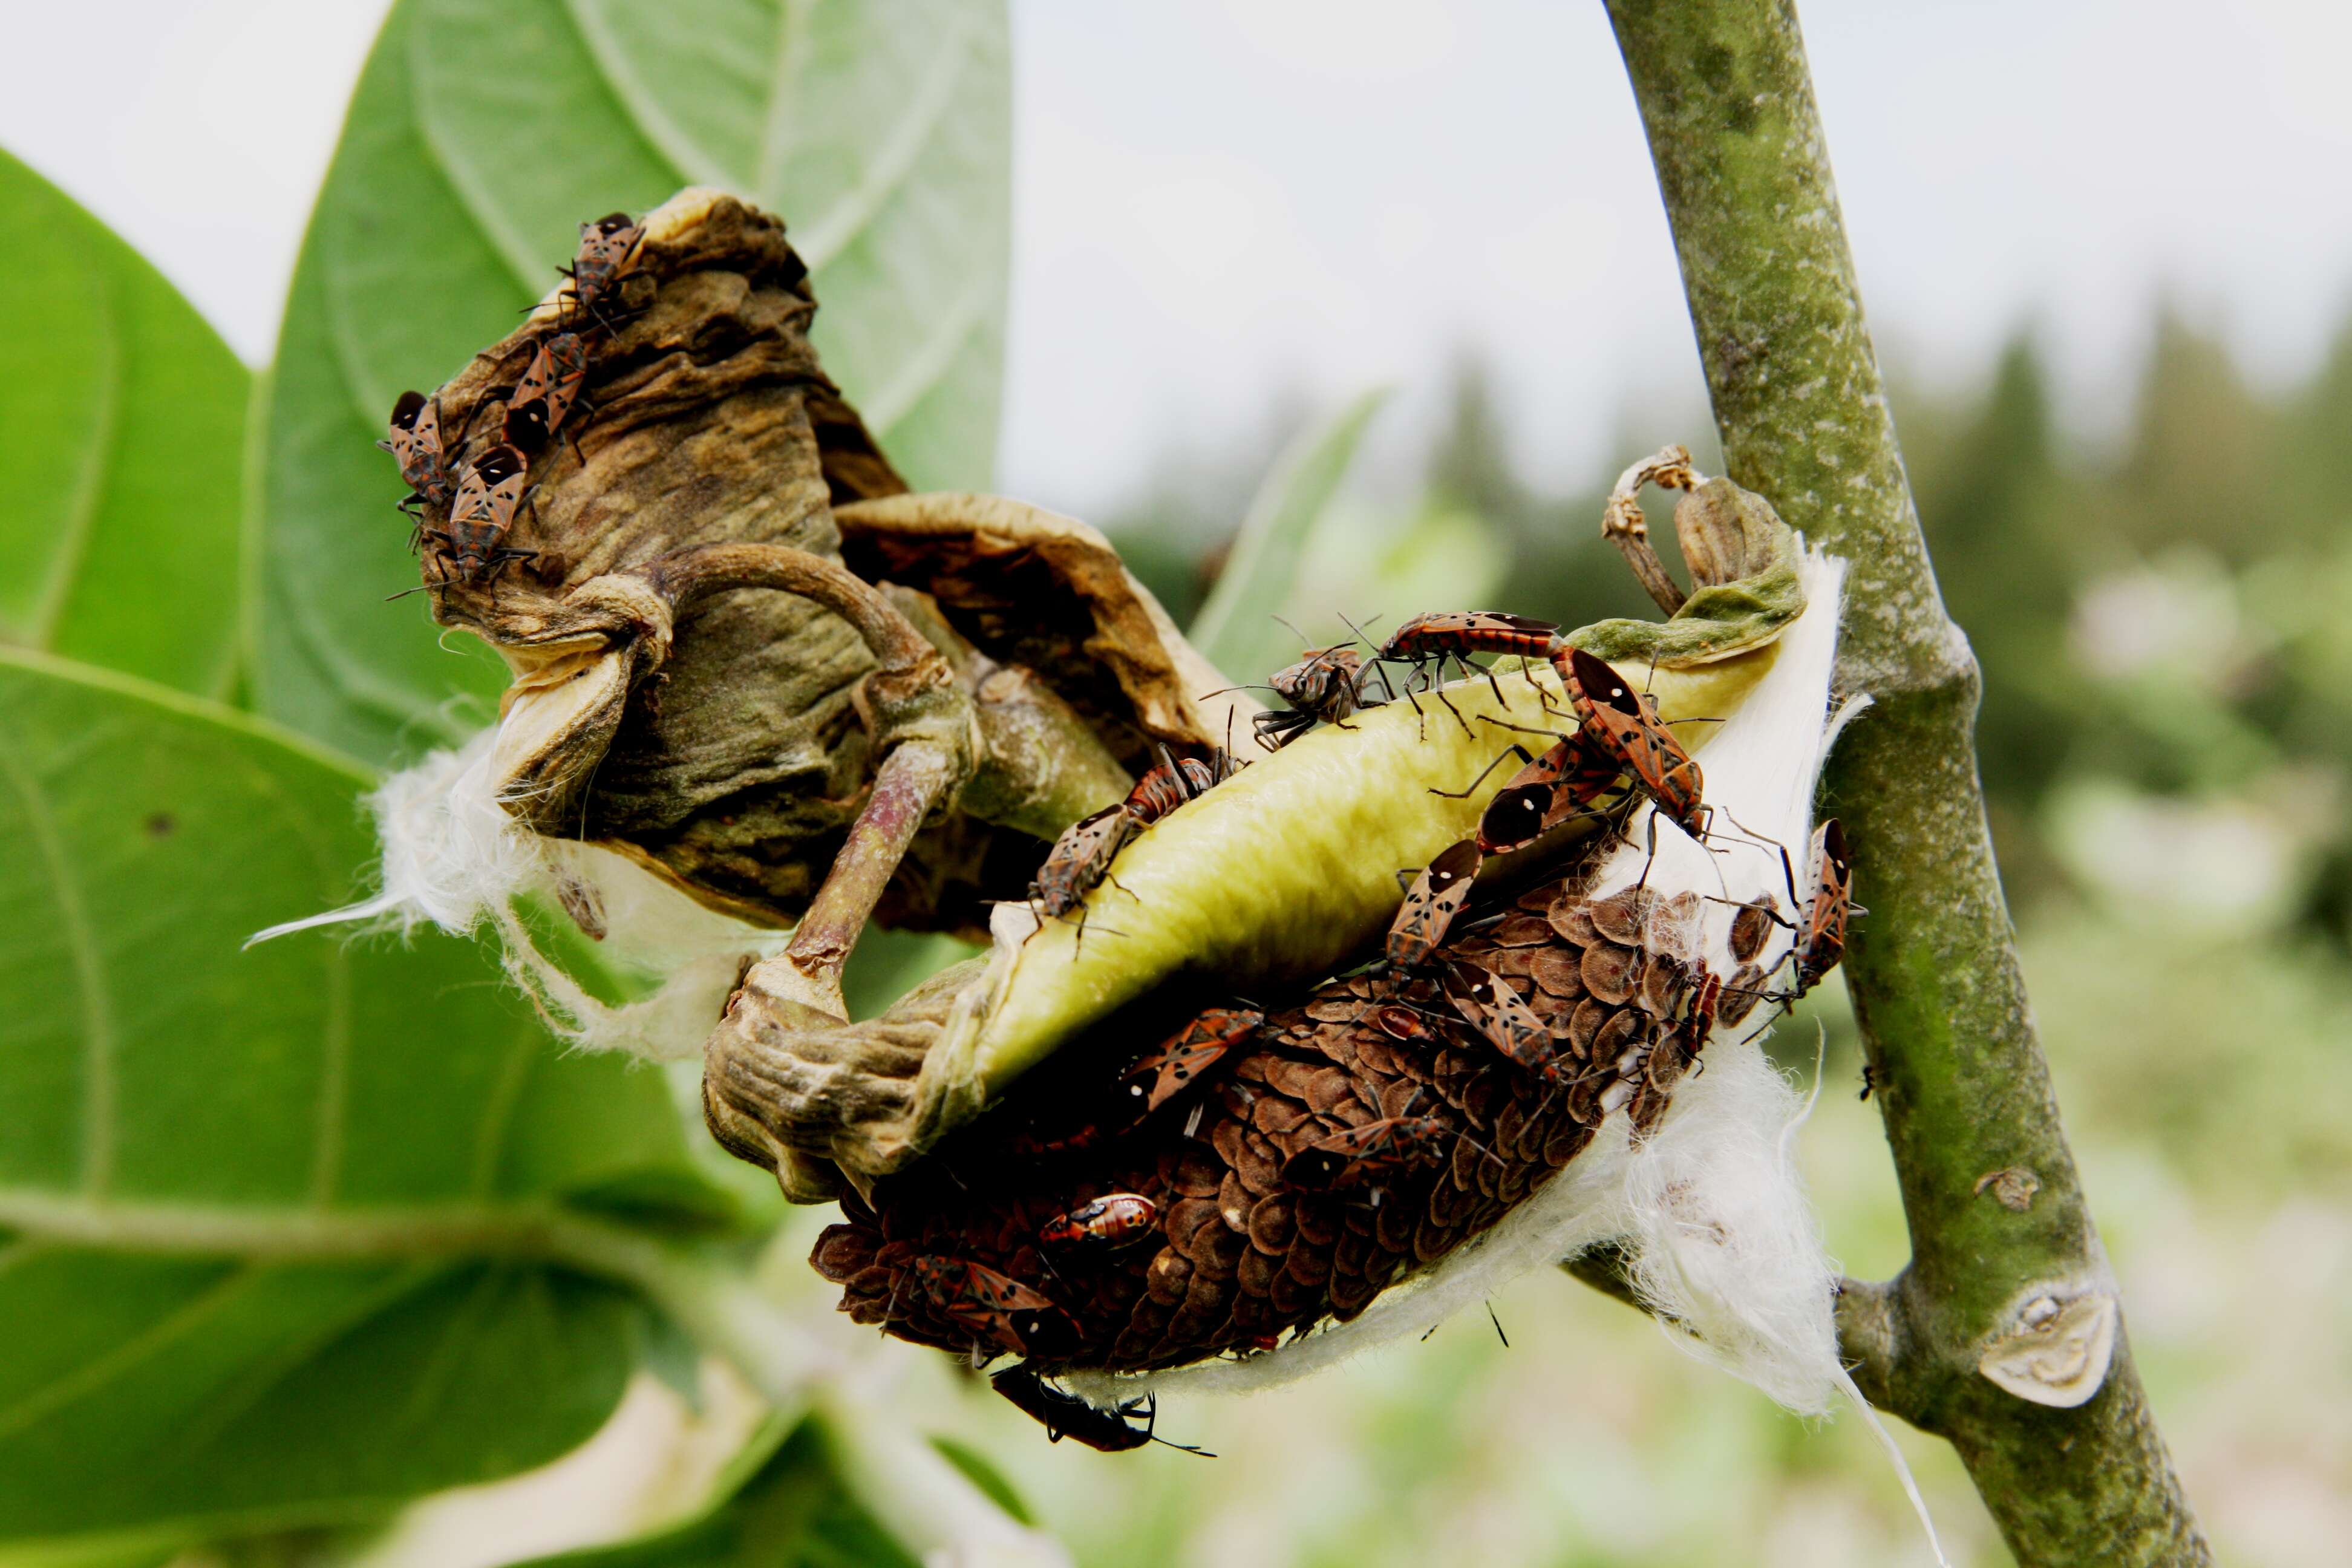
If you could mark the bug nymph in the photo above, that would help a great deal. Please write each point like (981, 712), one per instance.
(1066, 1415)
(548, 390)
(1436, 896)
(1170, 783)
(1162, 1075)
(488, 497)
(1103, 1224)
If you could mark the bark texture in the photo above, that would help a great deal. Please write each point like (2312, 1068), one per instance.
(2007, 1277)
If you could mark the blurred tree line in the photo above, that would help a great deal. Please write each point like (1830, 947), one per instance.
(2158, 623)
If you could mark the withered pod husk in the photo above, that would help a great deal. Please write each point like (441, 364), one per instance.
(1238, 1258)
(731, 751)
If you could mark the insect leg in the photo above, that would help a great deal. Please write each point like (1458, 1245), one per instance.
(1514, 749)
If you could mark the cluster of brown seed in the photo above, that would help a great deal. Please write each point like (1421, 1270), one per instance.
(1249, 1240)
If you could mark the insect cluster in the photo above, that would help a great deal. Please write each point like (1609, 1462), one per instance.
(1260, 1171)
(464, 512)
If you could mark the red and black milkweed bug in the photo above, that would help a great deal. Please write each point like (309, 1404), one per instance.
(549, 386)
(1436, 896)
(1105, 1223)
(1165, 1073)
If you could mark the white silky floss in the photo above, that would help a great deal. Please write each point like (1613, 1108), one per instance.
(455, 857)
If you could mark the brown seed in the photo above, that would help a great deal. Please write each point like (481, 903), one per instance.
(1308, 1265)
(1288, 1297)
(1278, 1117)
(1271, 1223)
(1621, 1034)
(1609, 971)
(1521, 931)
(1317, 1221)
(1288, 1077)
(1663, 982)
(1431, 1240)
(1618, 917)
(1750, 928)
(1328, 1090)
(1256, 1272)
(1557, 971)
(1569, 918)
(1168, 1277)
(1333, 1010)
(1394, 1222)
(1671, 925)
(1740, 995)
(1233, 1203)
(1585, 1023)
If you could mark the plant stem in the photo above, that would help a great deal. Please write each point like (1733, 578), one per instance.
(1727, 101)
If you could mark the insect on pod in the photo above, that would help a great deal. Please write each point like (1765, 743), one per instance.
(1104, 1225)
(1066, 1415)
(549, 386)
(606, 247)
(1436, 896)
(488, 496)
(1430, 641)
(415, 442)
(1344, 1159)
(1080, 858)
(1163, 1075)
(1324, 687)
(1172, 782)
(1556, 786)
(1619, 724)
(1824, 939)
(1498, 1013)
(1000, 1308)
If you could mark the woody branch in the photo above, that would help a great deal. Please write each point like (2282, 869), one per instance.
(1727, 101)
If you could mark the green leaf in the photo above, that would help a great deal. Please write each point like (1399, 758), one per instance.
(787, 1508)
(980, 1472)
(286, 1234)
(122, 438)
(1236, 628)
(480, 136)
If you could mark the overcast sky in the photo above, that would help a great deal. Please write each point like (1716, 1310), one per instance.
(1216, 201)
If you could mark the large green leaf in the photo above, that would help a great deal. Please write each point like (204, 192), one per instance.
(121, 437)
(1236, 628)
(785, 1508)
(289, 1235)
(481, 134)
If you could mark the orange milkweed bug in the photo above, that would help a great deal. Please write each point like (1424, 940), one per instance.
(1562, 782)
(1433, 639)
(1105, 1223)
(1186, 1057)
(1080, 857)
(1436, 896)
(998, 1308)
(1346, 1158)
(1823, 944)
(549, 386)
(1170, 783)
(607, 246)
(413, 439)
(489, 494)
(1618, 723)
(1498, 1013)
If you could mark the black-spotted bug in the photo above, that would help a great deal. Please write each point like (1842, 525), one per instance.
(996, 1307)
(607, 247)
(1347, 1158)
(1435, 897)
(472, 548)
(1162, 1075)
(1066, 1415)
(1103, 1224)
(1498, 1013)
(413, 439)
(1618, 723)
(1823, 944)
(1563, 783)
(1079, 860)
(549, 387)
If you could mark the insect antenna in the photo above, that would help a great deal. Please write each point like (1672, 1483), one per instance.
(1498, 1326)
